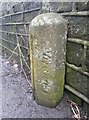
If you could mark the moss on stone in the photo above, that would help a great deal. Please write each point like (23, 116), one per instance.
(52, 96)
(48, 47)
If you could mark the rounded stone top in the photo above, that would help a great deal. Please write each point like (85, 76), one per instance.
(48, 19)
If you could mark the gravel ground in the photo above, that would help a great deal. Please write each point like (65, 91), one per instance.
(17, 100)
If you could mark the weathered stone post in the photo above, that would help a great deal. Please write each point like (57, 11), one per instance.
(47, 52)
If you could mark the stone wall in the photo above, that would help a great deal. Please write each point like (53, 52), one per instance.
(77, 57)
(15, 25)
(16, 18)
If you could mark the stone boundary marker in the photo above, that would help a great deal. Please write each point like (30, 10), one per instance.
(48, 36)
(77, 59)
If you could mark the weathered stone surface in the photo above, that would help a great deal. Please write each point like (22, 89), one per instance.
(7, 7)
(78, 27)
(78, 81)
(29, 16)
(81, 6)
(9, 28)
(75, 53)
(4, 9)
(6, 28)
(31, 5)
(18, 7)
(47, 51)
(87, 60)
(17, 18)
(6, 20)
(56, 6)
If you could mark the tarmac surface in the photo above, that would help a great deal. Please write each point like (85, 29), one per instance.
(17, 97)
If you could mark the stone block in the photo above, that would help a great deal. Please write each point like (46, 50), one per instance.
(9, 28)
(17, 18)
(82, 6)
(31, 5)
(77, 27)
(18, 7)
(75, 53)
(29, 16)
(6, 20)
(4, 36)
(56, 6)
(3, 28)
(12, 28)
(78, 81)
